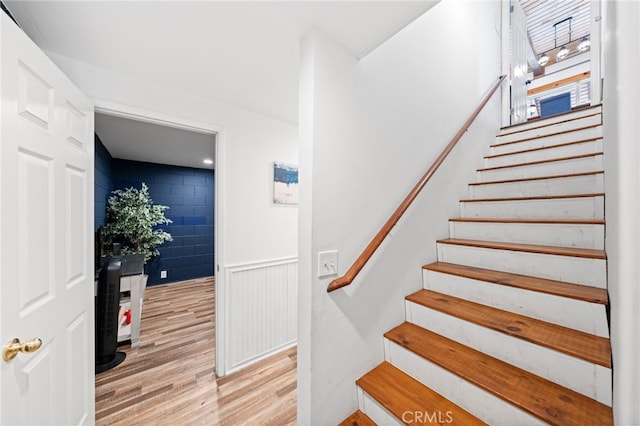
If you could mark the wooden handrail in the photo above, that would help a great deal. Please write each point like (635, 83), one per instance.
(362, 260)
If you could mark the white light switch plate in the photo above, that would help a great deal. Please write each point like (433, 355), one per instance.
(327, 263)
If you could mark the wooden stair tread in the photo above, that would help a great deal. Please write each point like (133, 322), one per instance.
(545, 135)
(541, 285)
(533, 197)
(529, 248)
(572, 342)
(541, 148)
(357, 419)
(532, 220)
(532, 163)
(544, 120)
(398, 393)
(542, 398)
(569, 175)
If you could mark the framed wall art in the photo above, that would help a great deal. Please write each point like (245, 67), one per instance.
(285, 183)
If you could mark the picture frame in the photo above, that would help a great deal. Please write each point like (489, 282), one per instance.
(285, 183)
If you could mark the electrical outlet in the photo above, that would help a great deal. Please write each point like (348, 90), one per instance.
(163, 274)
(327, 263)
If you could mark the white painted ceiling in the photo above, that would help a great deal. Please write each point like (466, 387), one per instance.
(242, 53)
(141, 141)
(554, 23)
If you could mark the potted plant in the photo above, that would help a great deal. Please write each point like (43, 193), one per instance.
(132, 220)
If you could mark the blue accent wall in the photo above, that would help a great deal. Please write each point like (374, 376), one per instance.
(189, 193)
(103, 182)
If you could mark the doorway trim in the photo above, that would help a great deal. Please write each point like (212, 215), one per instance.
(596, 52)
(154, 117)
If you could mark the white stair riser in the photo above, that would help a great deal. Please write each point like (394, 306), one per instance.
(571, 313)
(568, 127)
(576, 374)
(548, 153)
(583, 184)
(552, 120)
(482, 404)
(580, 235)
(571, 269)
(563, 167)
(376, 412)
(558, 208)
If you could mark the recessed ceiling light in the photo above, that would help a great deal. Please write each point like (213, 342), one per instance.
(207, 161)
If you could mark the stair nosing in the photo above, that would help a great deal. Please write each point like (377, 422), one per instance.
(509, 279)
(568, 175)
(362, 382)
(529, 220)
(532, 163)
(527, 248)
(506, 317)
(577, 129)
(511, 393)
(533, 197)
(541, 148)
(351, 420)
(551, 124)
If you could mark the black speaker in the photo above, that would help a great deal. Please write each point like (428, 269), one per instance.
(107, 307)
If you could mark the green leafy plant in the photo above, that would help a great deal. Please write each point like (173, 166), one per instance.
(131, 218)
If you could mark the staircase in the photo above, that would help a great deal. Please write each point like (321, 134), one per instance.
(511, 326)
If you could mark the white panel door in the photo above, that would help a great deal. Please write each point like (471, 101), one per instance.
(46, 238)
(519, 42)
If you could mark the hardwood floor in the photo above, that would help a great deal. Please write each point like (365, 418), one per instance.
(170, 379)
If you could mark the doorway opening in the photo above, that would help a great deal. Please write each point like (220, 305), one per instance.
(176, 159)
(177, 166)
(551, 52)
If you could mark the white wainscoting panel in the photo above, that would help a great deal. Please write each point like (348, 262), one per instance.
(261, 306)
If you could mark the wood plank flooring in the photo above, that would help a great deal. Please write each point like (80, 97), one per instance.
(170, 380)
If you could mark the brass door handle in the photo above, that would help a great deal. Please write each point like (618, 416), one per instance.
(14, 347)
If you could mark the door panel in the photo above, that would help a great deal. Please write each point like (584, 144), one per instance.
(77, 364)
(46, 238)
(76, 238)
(38, 375)
(36, 286)
(35, 97)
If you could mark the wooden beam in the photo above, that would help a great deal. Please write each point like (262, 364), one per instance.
(559, 83)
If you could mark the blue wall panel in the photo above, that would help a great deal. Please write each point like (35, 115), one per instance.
(555, 105)
(189, 193)
(103, 184)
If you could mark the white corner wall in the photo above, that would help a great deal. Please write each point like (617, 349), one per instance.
(368, 130)
(251, 230)
(621, 112)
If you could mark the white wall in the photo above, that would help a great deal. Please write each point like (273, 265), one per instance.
(621, 111)
(250, 228)
(369, 129)
(254, 228)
